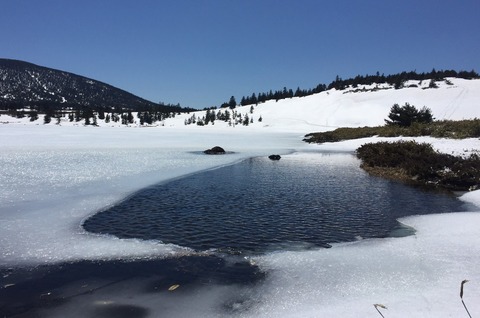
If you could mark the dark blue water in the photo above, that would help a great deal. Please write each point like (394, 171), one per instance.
(260, 205)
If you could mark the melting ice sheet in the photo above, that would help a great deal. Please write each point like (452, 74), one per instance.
(54, 177)
(415, 276)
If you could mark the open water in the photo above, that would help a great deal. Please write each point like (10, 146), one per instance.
(257, 206)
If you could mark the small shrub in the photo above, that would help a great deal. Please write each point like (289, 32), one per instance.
(420, 163)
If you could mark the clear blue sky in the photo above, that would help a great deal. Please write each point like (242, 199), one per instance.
(200, 52)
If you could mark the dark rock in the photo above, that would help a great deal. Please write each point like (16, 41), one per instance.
(215, 151)
(274, 157)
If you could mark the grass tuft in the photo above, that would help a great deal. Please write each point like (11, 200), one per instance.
(461, 296)
(381, 306)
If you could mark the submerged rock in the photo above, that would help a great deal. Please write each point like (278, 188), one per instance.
(215, 151)
(274, 157)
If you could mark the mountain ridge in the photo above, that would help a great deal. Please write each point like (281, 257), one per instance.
(27, 85)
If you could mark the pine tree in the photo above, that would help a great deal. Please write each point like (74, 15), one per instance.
(148, 118)
(298, 92)
(130, 118)
(432, 84)
(405, 115)
(207, 117)
(246, 120)
(33, 116)
(253, 99)
(232, 103)
(424, 115)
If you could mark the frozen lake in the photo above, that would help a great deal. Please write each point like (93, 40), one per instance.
(227, 215)
(54, 178)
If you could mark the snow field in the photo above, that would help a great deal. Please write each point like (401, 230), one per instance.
(353, 107)
(53, 177)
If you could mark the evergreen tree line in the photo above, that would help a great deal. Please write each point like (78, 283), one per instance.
(277, 95)
(90, 117)
(396, 80)
(14, 108)
(233, 118)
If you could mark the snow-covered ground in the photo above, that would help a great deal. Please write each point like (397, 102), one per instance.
(361, 106)
(53, 177)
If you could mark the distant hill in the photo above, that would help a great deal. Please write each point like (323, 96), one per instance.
(26, 85)
(395, 80)
(357, 105)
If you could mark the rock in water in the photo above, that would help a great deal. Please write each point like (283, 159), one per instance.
(274, 157)
(215, 151)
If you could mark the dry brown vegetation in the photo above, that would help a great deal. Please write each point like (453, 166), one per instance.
(440, 129)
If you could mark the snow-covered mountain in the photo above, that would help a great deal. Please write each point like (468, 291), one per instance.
(24, 84)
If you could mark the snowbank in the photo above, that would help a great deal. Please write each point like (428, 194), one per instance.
(416, 276)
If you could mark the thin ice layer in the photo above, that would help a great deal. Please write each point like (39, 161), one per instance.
(48, 190)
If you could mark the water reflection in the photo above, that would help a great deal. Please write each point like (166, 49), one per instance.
(260, 205)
